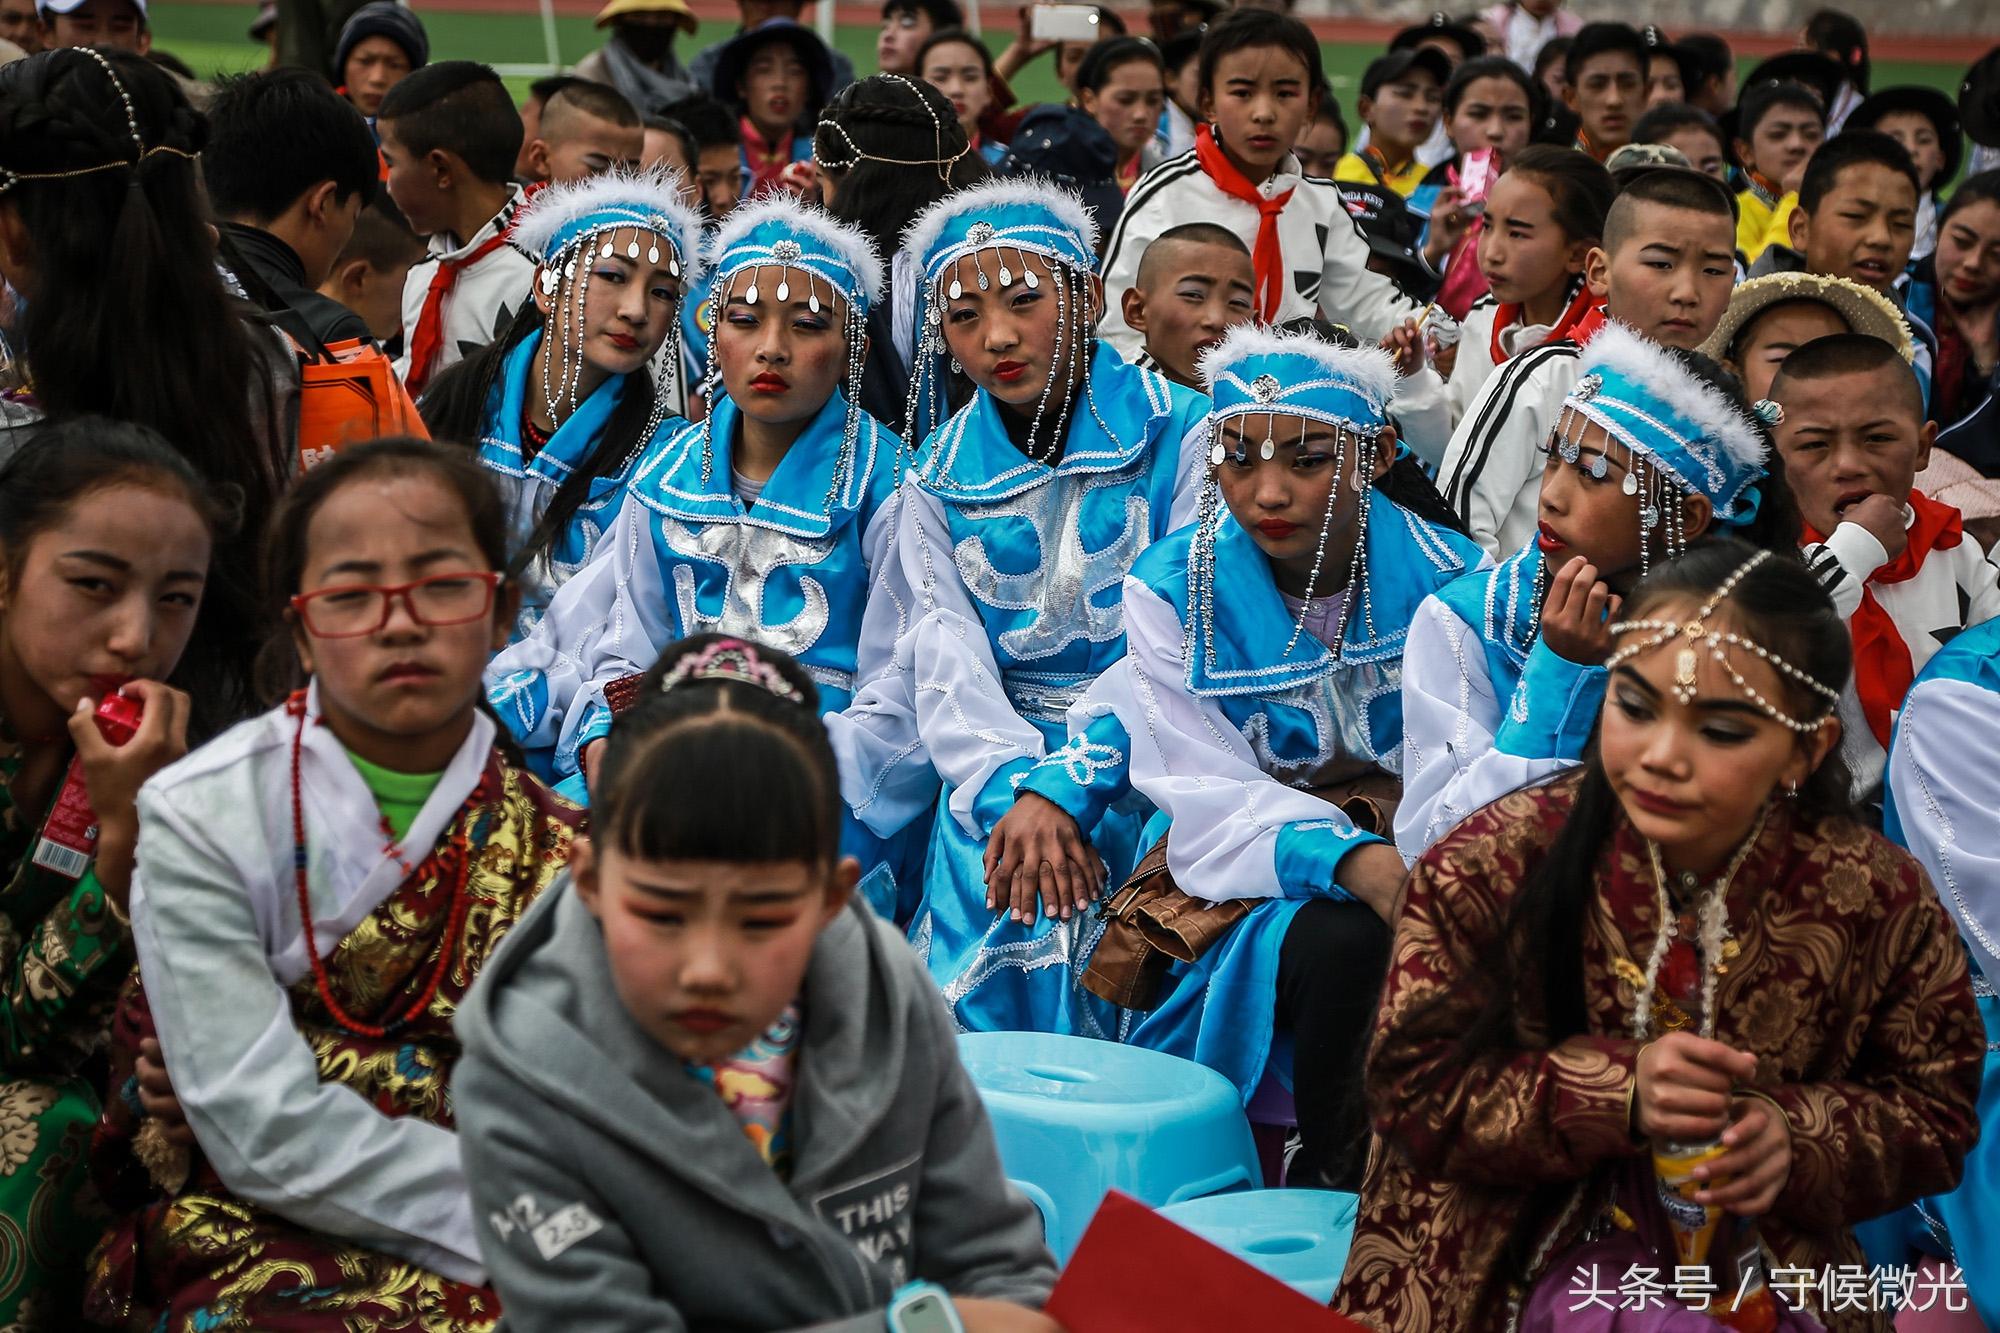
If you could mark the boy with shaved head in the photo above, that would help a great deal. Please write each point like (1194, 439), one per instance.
(1195, 284)
(1896, 562)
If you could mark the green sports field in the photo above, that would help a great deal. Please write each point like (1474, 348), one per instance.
(210, 37)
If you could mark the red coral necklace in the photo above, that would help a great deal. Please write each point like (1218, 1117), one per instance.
(461, 901)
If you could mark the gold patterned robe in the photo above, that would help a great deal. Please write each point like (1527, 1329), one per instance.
(201, 1260)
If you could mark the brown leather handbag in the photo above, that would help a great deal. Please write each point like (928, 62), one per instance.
(1151, 923)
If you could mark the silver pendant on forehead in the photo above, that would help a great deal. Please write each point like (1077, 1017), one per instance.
(1215, 454)
(1599, 466)
(1569, 450)
(653, 253)
(784, 286)
(1631, 483)
(812, 298)
(957, 289)
(605, 253)
(632, 249)
(1028, 276)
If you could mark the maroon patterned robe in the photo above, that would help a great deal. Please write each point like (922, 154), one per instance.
(1850, 987)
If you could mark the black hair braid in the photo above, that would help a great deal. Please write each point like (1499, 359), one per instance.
(455, 406)
(905, 120)
(121, 275)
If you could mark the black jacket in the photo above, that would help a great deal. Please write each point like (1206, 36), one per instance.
(275, 279)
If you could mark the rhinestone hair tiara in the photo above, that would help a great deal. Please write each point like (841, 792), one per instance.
(731, 660)
(1697, 633)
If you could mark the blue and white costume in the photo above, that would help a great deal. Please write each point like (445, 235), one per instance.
(1002, 604)
(789, 567)
(1232, 708)
(1487, 706)
(1942, 789)
(564, 228)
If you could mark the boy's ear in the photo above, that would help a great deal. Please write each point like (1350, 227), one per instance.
(1742, 151)
(1597, 272)
(350, 277)
(322, 201)
(1133, 306)
(1569, 95)
(537, 159)
(1798, 229)
(1579, 255)
(1926, 439)
(506, 610)
(1363, 106)
(444, 167)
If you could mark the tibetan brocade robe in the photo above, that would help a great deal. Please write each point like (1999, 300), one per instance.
(1850, 987)
(201, 1257)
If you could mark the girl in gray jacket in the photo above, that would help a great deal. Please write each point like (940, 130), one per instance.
(707, 1088)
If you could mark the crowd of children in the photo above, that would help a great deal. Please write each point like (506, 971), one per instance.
(649, 611)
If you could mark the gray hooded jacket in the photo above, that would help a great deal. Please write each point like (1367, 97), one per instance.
(614, 1191)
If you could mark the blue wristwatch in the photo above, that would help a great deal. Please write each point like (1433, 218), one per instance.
(923, 1307)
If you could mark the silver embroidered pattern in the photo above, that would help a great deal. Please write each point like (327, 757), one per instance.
(1061, 588)
(751, 554)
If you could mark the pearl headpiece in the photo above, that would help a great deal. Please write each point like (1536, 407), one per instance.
(1697, 633)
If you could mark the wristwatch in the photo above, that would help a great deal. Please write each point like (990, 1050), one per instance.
(923, 1307)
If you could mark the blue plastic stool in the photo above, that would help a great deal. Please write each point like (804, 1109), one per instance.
(1076, 1117)
(1299, 1237)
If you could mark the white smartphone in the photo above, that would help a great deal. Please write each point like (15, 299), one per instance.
(1064, 23)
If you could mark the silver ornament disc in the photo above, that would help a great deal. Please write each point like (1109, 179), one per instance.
(784, 289)
(1267, 450)
(632, 250)
(750, 296)
(1215, 455)
(1631, 483)
(1028, 276)
(652, 254)
(957, 290)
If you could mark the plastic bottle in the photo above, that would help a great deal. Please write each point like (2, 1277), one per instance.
(69, 838)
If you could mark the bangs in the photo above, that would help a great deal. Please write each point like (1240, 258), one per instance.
(720, 789)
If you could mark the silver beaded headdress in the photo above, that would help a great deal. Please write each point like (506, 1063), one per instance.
(999, 223)
(1697, 633)
(1682, 436)
(782, 240)
(1254, 371)
(140, 152)
(568, 228)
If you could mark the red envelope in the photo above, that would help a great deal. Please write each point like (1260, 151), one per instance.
(1137, 1272)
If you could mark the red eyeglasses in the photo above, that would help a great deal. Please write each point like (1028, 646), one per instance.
(354, 609)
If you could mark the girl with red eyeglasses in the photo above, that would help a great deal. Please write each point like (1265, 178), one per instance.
(323, 1187)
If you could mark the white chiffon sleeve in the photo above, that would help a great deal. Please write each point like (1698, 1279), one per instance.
(886, 776)
(1451, 722)
(314, 1152)
(1236, 832)
(1946, 787)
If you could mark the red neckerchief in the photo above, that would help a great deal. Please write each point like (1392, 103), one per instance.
(1882, 670)
(1267, 258)
(1579, 309)
(427, 339)
(766, 158)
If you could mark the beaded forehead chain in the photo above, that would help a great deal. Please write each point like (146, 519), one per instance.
(1697, 632)
(140, 152)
